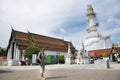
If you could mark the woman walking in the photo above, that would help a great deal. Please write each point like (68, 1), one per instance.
(41, 58)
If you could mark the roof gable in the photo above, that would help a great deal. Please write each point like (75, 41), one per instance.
(115, 49)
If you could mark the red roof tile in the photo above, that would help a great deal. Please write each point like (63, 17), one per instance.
(98, 53)
(23, 40)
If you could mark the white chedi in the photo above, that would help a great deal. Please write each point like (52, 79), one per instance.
(95, 40)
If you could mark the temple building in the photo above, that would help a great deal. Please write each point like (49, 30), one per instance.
(19, 41)
(95, 40)
(113, 53)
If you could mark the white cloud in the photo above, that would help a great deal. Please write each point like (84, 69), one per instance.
(45, 16)
(48, 14)
(62, 30)
(37, 16)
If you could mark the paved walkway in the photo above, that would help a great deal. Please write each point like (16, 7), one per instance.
(113, 66)
(61, 72)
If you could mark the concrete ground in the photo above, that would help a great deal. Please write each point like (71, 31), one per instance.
(61, 72)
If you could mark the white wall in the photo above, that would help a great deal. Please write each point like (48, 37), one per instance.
(9, 54)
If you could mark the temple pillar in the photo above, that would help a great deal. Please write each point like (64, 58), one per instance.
(9, 54)
(22, 55)
(12, 55)
(68, 59)
(17, 53)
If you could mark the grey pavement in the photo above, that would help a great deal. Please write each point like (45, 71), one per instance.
(62, 72)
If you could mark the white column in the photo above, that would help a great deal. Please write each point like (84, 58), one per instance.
(17, 53)
(9, 54)
(23, 57)
(68, 59)
(14, 51)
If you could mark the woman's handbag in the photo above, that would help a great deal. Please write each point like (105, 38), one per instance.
(38, 61)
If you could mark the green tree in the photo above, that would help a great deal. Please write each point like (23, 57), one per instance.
(104, 55)
(31, 50)
(2, 51)
(61, 59)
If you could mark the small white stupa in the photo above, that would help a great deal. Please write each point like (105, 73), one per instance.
(84, 54)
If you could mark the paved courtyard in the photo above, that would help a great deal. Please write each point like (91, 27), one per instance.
(61, 72)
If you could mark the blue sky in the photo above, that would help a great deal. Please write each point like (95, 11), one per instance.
(64, 19)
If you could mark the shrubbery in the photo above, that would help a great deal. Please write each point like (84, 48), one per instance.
(47, 59)
(104, 55)
(54, 59)
(2, 51)
(31, 50)
(61, 59)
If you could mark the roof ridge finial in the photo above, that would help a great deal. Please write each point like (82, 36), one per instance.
(11, 27)
(28, 31)
(30, 37)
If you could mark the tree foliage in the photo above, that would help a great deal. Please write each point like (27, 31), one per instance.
(104, 55)
(61, 59)
(2, 51)
(31, 50)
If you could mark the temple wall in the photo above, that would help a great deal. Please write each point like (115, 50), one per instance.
(15, 54)
(15, 60)
(9, 54)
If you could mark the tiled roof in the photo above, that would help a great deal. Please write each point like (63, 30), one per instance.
(115, 49)
(39, 38)
(21, 36)
(98, 53)
(23, 40)
(118, 50)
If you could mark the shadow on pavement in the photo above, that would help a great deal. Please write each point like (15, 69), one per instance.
(5, 71)
(56, 77)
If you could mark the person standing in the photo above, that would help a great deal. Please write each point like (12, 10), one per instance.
(41, 58)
